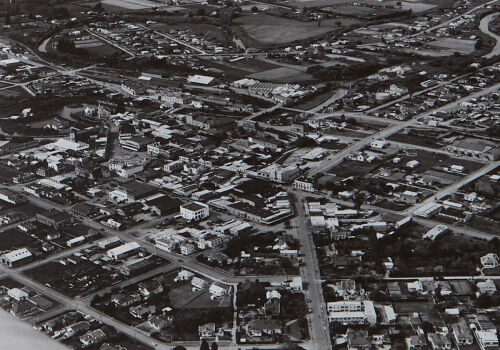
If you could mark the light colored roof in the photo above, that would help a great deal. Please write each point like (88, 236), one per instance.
(200, 79)
(124, 248)
(17, 255)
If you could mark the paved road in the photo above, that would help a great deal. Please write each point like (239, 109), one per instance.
(484, 27)
(454, 187)
(337, 158)
(194, 48)
(318, 321)
(110, 42)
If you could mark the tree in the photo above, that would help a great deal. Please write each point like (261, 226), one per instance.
(200, 12)
(7, 20)
(179, 347)
(204, 345)
(214, 346)
(254, 9)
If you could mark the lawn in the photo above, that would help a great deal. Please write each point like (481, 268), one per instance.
(14, 239)
(131, 4)
(276, 30)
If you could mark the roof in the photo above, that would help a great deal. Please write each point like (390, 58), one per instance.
(264, 324)
(193, 206)
(17, 255)
(200, 79)
(124, 248)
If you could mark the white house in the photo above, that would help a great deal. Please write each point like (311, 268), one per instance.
(198, 283)
(217, 291)
(489, 260)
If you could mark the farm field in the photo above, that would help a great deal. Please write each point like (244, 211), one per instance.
(275, 30)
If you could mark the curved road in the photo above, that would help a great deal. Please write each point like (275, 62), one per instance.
(484, 27)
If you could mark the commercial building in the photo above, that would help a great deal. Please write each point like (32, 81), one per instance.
(194, 211)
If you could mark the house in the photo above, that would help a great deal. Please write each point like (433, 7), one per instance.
(159, 322)
(141, 311)
(15, 257)
(93, 337)
(124, 300)
(216, 291)
(198, 283)
(194, 211)
(17, 294)
(22, 308)
(183, 275)
(260, 327)
(206, 330)
(379, 144)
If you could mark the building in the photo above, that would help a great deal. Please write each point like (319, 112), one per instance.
(194, 211)
(135, 143)
(123, 250)
(200, 79)
(439, 341)
(462, 333)
(487, 287)
(303, 184)
(15, 257)
(486, 339)
(278, 173)
(352, 312)
(132, 191)
(489, 261)
(187, 248)
(54, 218)
(11, 197)
(163, 205)
(261, 327)
(217, 291)
(198, 283)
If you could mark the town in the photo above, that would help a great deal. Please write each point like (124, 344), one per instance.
(279, 174)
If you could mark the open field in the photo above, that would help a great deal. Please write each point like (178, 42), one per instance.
(454, 45)
(282, 74)
(132, 4)
(415, 6)
(276, 30)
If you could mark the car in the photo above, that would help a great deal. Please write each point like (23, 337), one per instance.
(308, 300)
(181, 260)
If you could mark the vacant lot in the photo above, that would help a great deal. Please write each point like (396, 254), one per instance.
(415, 6)
(282, 74)
(454, 45)
(275, 30)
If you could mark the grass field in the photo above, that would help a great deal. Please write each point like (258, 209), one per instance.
(454, 45)
(132, 4)
(275, 30)
(282, 74)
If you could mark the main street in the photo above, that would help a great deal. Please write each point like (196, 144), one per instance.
(318, 321)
